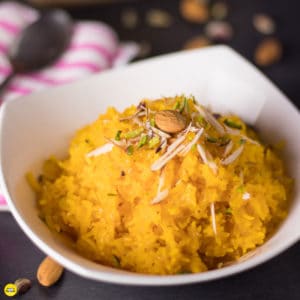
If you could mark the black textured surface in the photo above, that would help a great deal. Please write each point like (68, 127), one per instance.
(276, 279)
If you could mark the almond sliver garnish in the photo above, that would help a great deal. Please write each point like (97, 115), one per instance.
(211, 119)
(232, 157)
(205, 159)
(213, 217)
(189, 146)
(160, 196)
(101, 150)
(165, 158)
(228, 148)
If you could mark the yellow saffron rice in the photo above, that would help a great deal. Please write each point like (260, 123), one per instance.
(205, 207)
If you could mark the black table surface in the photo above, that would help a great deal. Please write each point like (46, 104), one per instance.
(275, 279)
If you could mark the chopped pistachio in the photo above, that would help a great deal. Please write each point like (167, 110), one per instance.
(224, 140)
(134, 133)
(241, 189)
(232, 124)
(112, 194)
(242, 141)
(154, 142)
(116, 261)
(228, 211)
(129, 150)
(177, 105)
(202, 121)
(184, 272)
(211, 139)
(118, 135)
(184, 106)
(152, 122)
(142, 141)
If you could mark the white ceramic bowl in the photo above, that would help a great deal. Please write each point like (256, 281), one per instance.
(34, 127)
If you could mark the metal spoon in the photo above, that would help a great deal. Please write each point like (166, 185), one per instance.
(39, 44)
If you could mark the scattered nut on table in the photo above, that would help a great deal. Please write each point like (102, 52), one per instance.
(145, 49)
(49, 272)
(129, 18)
(159, 18)
(195, 11)
(23, 285)
(268, 52)
(219, 10)
(197, 42)
(219, 31)
(264, 24)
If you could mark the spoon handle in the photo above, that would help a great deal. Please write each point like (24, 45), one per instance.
(5, 82)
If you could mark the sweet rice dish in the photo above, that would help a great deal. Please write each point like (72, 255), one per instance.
(165, 187)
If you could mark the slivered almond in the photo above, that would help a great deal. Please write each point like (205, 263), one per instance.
(49, 272)
(170, 121)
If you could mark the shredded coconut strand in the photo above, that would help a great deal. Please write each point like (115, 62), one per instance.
(232, 157)
(101, 150)
(213, 217)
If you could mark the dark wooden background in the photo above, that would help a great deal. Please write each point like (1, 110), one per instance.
(276, 279)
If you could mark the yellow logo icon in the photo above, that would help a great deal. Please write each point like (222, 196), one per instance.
(10, 290)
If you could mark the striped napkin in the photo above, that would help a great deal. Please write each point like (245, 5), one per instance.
(94, 47)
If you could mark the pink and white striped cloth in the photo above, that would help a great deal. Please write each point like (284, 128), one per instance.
(94, 47)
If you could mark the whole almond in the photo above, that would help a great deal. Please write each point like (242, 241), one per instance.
(268, 52)
(170, 121)
(49, 272)
(197, 42)
(195, 11)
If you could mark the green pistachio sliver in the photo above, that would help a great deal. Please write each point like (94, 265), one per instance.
(112, 194)
(228, 211)
(118, 135)
(184, 272)
(134, 133)
(154, 142)
(142, 141)
(152, 122)
(202, 121)
(223, 140)
(129, 150)
(211, 139)
(177, 105)
(242, 141)
(232, 124)
(184, 106)
(241, 189)
(116, 261)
